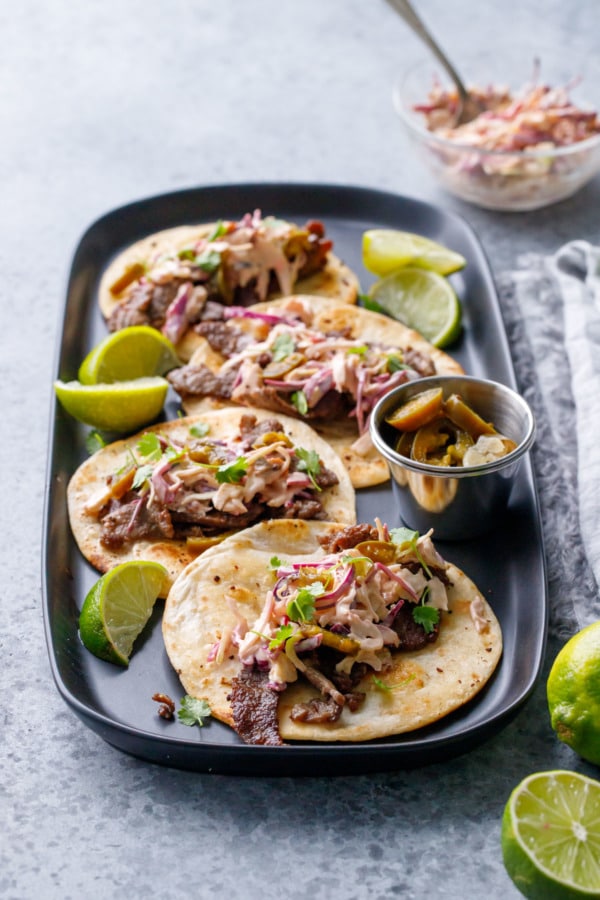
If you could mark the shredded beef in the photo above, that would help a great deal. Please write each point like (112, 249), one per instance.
(348, 537)
(146, 305)
(132, 520)
(317, 710)
(216, 520)
(419, 361)
(200, 381)
(223, 337)
(303, 508)
(254, 707)
(412, 635)
(251, 430)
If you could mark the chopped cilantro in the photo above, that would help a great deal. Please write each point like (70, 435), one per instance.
(299, 400)
(187, 253)
(381, 684)
(395, 364)
(283, 345)
(302, 608)
(281, 636)
(427, 616)
(200, 429)
(149, 446)
(358, 350)
(309, 462)
(209, 261)
(94, 441)
(366, 301)
(274, 563)
(218, 231)
(232, 473)
(193, 711)
(406, 539)
(142, 475)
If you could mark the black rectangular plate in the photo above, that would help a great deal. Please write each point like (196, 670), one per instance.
(508, 566)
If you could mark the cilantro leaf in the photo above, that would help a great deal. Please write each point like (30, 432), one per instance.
(299, 400)
(358, 350)
(200, 429)
(309, 462)
(302, 608)
(218, 231)
(193, 711)
(232, 473)
(94, 441)
(405, 538)
(283, 345)
(366, 301)
(209, 261)
(142, 475)
(427, 616)
(395, 364)
(281, 636)
(149, 446)
(274, 563)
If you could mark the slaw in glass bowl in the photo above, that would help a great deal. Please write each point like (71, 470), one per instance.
(537, 142)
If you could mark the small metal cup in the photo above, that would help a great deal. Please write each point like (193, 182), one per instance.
(464, 501)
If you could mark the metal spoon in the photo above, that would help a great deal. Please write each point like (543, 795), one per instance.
(469, 108)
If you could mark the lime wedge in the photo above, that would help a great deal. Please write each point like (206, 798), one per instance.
(422, 300)
(385, 250)
(121, 407)
(117, 608)
(135, 352)
(551, 836)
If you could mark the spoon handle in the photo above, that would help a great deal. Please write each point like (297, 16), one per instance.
(411, 18)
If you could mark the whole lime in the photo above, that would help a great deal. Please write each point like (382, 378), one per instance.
(573, 692)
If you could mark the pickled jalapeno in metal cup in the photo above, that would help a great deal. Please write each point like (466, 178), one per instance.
(453, 445)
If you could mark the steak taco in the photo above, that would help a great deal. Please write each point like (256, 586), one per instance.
(172, 491)
(178, 278)
(310, 357)
(311, 631)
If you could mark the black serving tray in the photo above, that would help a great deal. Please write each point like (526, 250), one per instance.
(507, 565)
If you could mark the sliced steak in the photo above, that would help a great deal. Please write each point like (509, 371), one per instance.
(223, 337)
(348, 537)
(200, 381)
(412, 635)
(318, 710)
(132, 520)
(254, 707)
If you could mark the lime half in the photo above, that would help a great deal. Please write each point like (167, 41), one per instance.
(117, 608)
(122, 407)
(422, 300)
(385, 250)
(551, 836)
(135, 352)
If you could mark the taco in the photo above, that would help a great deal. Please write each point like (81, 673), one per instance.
(172, 491)
(310, 357)
(177, 278)
(322, 632)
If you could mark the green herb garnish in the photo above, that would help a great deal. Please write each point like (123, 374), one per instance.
(394, 363)
(299, 400)
(94, 442)
(283, 345)
(427, 616)
(309, 462)
(218, 231)
(232, 473)
(193, 711)
(406, 539)
(149, 446)
(200, 429)
(142, 475)
(360, 351)
(281, 636)
(302, 608)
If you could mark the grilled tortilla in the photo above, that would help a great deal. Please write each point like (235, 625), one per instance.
(112, 520)
(321, 314)
(173, 279)
(218, 605)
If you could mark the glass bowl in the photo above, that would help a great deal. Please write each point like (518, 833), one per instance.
(507, 180)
